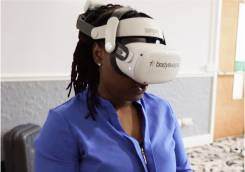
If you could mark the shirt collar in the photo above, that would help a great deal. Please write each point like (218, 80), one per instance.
(106, 105)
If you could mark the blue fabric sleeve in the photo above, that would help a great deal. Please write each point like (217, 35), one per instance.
(182, 161)
(55, 146)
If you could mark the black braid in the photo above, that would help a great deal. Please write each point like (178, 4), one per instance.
(85, 72)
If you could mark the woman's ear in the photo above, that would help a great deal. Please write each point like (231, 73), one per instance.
(98, 54)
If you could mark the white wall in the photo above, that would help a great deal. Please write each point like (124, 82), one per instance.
(39, 36)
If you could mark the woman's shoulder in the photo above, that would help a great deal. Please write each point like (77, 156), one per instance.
(74, 107)
(157, 105)
(57, 125)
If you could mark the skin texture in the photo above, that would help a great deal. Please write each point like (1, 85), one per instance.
(121, 91)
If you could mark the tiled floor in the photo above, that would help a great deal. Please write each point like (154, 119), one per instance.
(223, 155)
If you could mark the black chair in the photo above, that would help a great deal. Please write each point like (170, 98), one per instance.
(18, 148)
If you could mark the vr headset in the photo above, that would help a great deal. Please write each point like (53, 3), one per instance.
(147, 61)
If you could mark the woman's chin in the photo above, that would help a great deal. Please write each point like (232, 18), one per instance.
(137, 97)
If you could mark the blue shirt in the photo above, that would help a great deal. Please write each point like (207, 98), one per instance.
(68, 142)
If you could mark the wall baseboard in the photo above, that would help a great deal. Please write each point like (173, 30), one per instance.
(197, 140)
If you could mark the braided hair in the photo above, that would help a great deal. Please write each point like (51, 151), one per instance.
(85, 72)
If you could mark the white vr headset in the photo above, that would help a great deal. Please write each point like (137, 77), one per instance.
(145, 62)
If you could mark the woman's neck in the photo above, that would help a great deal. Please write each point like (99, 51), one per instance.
(116, 101)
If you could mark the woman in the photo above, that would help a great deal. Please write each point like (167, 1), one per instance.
(111, 124)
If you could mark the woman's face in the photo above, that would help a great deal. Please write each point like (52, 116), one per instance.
(112, 84)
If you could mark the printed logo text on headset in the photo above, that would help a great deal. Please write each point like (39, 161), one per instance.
(145, 62)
